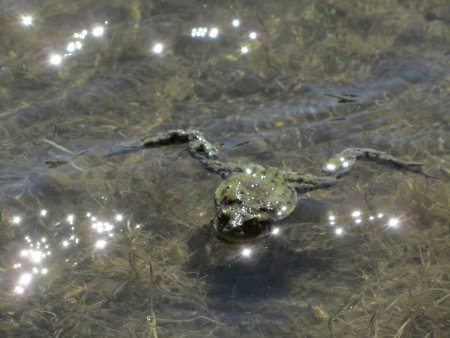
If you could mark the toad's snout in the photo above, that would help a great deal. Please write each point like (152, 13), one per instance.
(236, 223)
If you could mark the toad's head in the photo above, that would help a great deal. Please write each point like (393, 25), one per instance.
(238, 223)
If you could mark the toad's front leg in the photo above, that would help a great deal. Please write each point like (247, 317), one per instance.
(342, 163)
(197, 144)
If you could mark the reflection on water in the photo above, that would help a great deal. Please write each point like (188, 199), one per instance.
(77, 236)
(68, 235)
(284, 84)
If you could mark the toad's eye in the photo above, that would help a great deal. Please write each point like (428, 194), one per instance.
(223, 219)
(238, 232)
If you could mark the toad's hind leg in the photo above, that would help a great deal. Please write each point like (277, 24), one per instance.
(342, 163)
(197, 144)
(306, 182)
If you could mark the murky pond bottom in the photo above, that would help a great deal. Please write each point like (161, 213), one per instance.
(99, 241)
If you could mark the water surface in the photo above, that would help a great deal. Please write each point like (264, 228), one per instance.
(106, 245)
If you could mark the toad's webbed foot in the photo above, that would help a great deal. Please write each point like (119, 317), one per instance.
(342, 163)
(198, 145)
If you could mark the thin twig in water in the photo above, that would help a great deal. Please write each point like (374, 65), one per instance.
(56, 145)
(152, 313)
(192, 319)
(400, 331)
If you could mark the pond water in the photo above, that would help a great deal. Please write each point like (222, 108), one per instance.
(98, 241)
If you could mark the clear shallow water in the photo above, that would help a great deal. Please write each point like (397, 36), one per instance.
(314, 78)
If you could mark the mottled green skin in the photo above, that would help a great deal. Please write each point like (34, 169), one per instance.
(252, 197)
(250, 201)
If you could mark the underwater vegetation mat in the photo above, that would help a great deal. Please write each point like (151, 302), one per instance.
(383, 285)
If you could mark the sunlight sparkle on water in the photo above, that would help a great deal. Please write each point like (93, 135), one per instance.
(98, 31)
(393, 222)
(356, 214)
(244, 50)
(71, 47)
(158, 48)
(81, 35)
(100, 244)
(283, 209)
(25, 279)
(246, 252)
(18, 290)
(102, 227)
(36, 256)
(213, 33)
(29, 261)
(330, 167)
(26, 20)
(236, 23)
(253, 35)
(55, 59)
(199, 32)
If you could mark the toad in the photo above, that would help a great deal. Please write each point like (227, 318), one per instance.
(251, 197)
